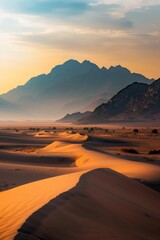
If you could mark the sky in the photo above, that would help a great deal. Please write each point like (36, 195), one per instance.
(36, 35)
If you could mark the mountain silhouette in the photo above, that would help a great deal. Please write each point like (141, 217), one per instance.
(70, 87)
(74, 117)
(136, 102)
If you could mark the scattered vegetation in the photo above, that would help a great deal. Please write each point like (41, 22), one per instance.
(91, 130)
(48, 129)
(135, 130)
(106, 131)
(69, 129)
(34, 129)
(130, 150)
(96, 130)
(154, 152)
(85, 128)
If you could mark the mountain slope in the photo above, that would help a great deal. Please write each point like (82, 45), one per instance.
(151, 100)
(69, 87)
(74, 117)
(136, 102)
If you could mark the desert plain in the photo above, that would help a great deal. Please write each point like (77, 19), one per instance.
(79, 182)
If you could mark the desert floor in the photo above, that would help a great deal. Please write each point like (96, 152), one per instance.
(79, 182)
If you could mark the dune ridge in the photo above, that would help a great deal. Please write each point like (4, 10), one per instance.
(88, 159)
(73, 136)
(44, 134)
(93, 209)
(19, 203)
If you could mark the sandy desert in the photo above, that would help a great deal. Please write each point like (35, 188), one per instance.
(68, 182)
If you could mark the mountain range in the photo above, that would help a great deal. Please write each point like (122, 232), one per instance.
(70, 87)
(74, 117)
(136, 102)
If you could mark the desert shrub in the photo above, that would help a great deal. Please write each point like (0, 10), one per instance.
(106, 130)
(34, 129)
(135, 130)
(155, 131)
(154, 152)
(130, 150)
(69, 129)
(91, 130)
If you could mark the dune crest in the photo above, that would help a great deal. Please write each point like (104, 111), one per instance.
(76, 137)
(89, 159)
(44, 134)
(93, 209)
(19, 203)
(58, 146)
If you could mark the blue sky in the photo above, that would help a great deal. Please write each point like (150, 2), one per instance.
(107, 32)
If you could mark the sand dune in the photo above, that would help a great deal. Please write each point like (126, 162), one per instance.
(13, 175)
(90, 159)
(76, 137)
(103, 205)
(44, 134)
(19, 203)
(69, 136)
(58, 146)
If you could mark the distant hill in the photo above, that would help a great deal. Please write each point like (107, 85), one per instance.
(74, 117)
(136, 102)
(69, 87)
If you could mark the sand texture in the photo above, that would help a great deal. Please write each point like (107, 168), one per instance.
(103, 205)
(69, 186)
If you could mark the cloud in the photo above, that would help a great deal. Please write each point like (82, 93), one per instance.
(63, 7)
(77, 40)
(39, 16)
(91, 14)
(81, 24)
(85, 13)
(132, 4)
(103, 16)
(146, 19)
